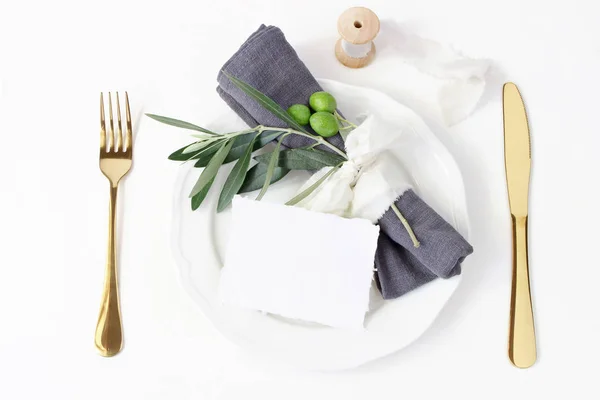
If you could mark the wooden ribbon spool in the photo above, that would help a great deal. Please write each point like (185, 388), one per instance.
(358, 26)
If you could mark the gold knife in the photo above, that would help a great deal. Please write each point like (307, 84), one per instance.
(517, 157)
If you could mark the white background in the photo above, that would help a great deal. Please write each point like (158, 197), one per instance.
(55, 59)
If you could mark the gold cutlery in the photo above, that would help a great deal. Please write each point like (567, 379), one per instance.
(517, 156)
(115, 163)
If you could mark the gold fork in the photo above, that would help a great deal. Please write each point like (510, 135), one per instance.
(115, 163)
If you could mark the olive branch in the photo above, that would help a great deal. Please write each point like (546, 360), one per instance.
(212, 150)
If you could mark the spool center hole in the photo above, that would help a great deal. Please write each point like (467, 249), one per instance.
(357, 24)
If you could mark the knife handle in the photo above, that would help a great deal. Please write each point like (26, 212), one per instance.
(521, 341)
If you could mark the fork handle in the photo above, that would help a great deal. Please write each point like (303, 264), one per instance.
(521, 344)
(109, 334)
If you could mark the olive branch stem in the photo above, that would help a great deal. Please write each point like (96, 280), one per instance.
(402, 219)
(341, 119)
(319, 140)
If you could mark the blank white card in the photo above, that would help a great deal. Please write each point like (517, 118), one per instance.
(299, 264)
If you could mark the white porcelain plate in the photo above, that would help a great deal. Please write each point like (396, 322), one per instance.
(199, 240)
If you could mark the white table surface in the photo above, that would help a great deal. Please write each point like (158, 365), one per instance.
(56, 57)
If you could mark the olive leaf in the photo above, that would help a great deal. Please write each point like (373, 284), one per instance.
(236, 177)
(212, 168)
(266, 102)
(194, 147)
(306, 192)
(303, 159)
(270, 169)
(204, 158)
(256, 176)
(205, 155)
(199, 197)
(239, 147)
(178, 123)
(178, 155)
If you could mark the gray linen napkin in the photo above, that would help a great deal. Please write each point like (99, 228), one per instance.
(269, 63)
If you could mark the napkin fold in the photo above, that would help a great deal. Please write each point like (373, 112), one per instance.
(270, 64)
(373, 177)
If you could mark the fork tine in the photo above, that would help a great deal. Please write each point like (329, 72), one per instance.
(111, 137)
(102, 124)
(129, 129)
(120, 133)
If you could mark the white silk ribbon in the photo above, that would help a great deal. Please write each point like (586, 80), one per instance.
(373, 177)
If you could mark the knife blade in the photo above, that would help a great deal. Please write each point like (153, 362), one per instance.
(517, 157)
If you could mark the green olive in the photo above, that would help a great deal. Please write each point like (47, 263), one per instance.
(324, 123)
(300, 113)
(322, 101)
